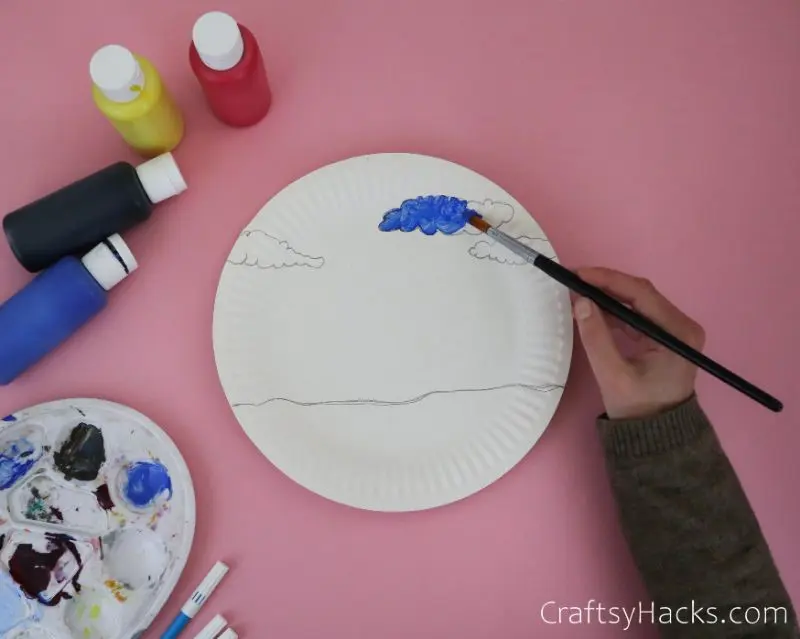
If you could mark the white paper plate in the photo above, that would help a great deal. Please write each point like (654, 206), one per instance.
(389, 371)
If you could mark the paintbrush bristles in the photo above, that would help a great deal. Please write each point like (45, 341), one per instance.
(479, 223)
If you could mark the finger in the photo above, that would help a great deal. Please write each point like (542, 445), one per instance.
(626, 288)
(645, 298)
(605, 359)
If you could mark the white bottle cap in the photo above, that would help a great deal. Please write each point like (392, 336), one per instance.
(116, 72)
(110, 262)
(213, 628)
(218, 40)
(230, 633)
(161, 178)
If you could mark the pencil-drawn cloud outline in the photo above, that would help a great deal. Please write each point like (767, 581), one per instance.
(261, 250)
(494, 252)
(495, 212)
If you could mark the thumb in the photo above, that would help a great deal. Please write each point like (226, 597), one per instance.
(604, 357)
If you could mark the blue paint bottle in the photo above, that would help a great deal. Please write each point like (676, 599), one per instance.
(57, 302)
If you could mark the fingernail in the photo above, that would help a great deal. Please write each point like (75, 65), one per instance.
(582, 308)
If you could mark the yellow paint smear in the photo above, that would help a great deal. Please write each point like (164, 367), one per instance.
(116, 589)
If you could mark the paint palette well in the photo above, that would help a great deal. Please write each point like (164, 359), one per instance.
(97, 518)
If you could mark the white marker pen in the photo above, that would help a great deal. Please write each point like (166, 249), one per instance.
(214, 627)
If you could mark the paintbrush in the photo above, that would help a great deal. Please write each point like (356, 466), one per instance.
(630, 317)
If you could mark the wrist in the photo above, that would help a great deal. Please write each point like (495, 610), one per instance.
(667, 430)
(645, 408)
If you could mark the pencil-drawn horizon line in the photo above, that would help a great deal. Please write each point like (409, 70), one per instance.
(539, 388)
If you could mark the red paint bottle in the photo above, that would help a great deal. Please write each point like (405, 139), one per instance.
(227, 61)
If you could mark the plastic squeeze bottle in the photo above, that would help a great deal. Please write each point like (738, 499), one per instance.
(57, 302)
(129, 92)
(225, 57)
(79, 216)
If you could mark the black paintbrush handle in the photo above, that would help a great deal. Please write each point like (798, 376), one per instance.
(654, 331)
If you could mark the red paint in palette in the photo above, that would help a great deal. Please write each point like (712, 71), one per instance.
(33, 569)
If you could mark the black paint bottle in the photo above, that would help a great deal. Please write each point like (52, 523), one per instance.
(77, 217)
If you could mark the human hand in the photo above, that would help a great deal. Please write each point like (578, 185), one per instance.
(654, 378)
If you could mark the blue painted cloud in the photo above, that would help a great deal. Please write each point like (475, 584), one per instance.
(429, 214)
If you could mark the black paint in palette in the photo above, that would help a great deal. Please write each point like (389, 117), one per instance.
(32, 569)
(83, 454)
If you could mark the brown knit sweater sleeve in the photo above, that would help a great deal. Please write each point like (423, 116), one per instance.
(691, 530)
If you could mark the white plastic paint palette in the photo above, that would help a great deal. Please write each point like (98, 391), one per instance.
(97, 517)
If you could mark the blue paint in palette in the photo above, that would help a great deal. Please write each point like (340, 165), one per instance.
(145, 482)
(16, 459)
(430, 214)
(9, 418)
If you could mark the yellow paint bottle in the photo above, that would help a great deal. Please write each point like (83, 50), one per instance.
(129, 92)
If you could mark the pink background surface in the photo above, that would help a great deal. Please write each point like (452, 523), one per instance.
(658, 137)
